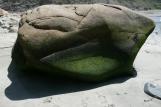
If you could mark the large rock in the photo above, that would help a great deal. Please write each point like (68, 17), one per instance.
(88, 42)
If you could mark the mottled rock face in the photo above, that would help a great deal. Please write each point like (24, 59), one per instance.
(89, 42)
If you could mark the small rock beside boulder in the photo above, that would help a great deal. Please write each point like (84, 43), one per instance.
(3, 12)
(153, 90)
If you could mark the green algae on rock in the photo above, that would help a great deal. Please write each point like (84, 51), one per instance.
(91, 42)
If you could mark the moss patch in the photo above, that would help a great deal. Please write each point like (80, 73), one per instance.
(89, 66)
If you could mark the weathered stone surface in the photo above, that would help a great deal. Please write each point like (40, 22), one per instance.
(89, 42)
(3, 12)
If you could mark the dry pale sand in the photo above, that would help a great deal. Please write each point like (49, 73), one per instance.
(18, 89)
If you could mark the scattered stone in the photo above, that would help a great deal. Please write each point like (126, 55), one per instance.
(111, 105)
(48, 100)
(125, 93)
(3, 12)
(88, 42)
(153, 90)
(9, 23)
(148, 100)
(117, 93)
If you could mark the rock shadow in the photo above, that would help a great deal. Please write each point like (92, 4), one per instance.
(27, 85)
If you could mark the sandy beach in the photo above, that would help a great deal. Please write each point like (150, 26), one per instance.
(18, 89)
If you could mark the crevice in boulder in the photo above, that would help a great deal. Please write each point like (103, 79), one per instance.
(75, 8)
(118, 8)
(43, 18)
(85, 16)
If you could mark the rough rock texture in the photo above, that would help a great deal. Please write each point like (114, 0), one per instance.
(89, 42)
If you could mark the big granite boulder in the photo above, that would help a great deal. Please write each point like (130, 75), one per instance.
(88, 42)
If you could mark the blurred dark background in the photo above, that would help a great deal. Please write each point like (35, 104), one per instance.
(22, 5)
